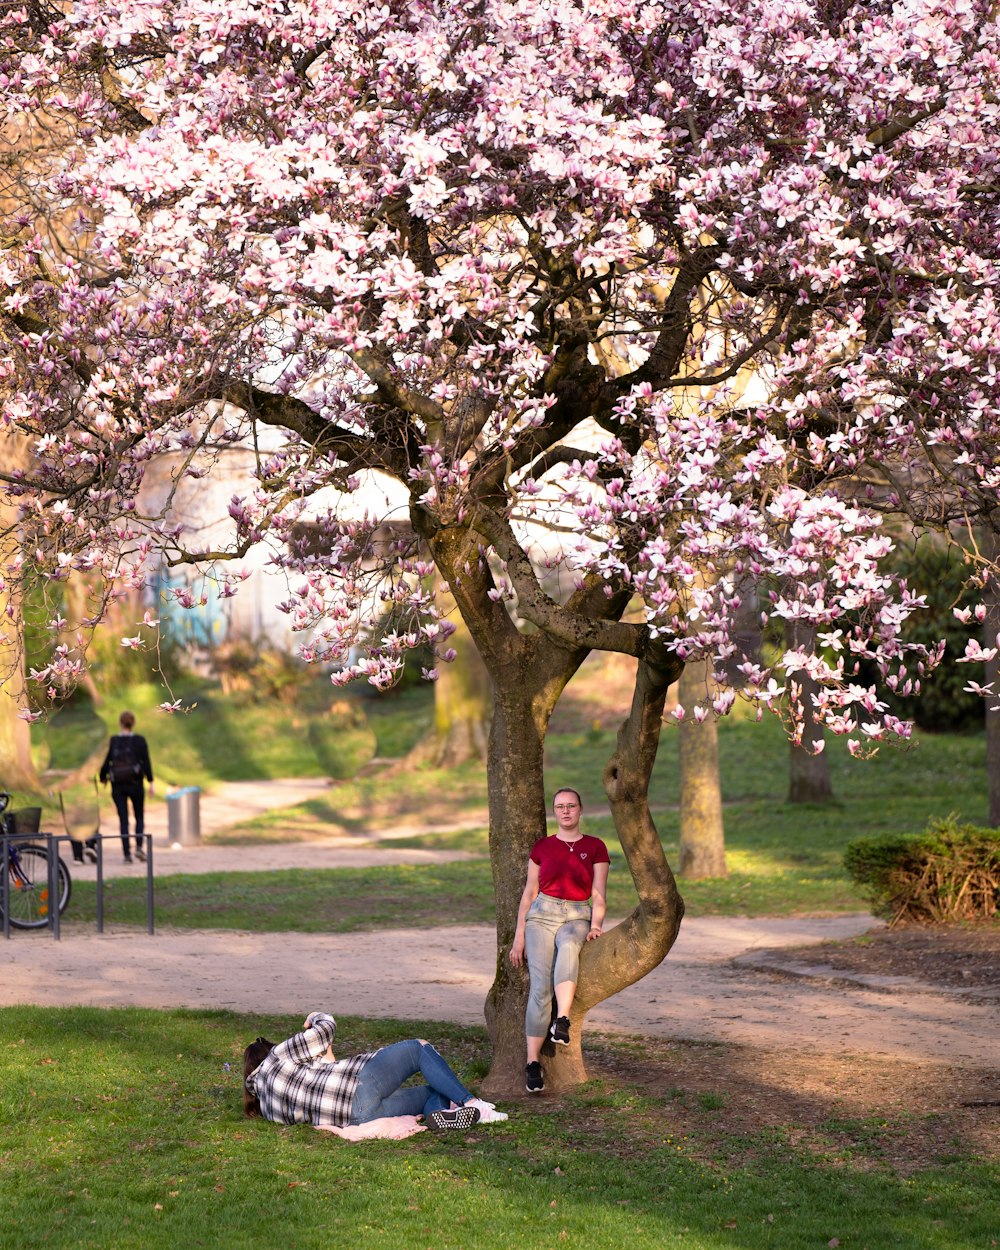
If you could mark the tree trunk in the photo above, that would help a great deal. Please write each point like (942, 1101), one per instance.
(703, 844)
(17, 772)
(76, 635)
(630, 950)
(529, 673)
(991, 632)
(808, 766)
(517, 820)
(463, 700)
(642, 941)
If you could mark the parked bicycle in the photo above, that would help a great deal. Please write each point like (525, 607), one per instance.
(28, 886)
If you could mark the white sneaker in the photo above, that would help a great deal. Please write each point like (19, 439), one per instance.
(488, 1114)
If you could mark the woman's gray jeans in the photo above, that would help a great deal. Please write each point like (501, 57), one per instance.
(554, 931)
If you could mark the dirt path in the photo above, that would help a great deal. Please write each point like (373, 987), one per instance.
(698, 993)
(237, 801)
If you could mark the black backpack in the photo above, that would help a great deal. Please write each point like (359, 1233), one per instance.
(122, 766)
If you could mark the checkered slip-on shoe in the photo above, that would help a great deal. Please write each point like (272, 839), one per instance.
(460, 1118)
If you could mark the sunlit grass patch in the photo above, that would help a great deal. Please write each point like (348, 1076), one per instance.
(323, 900)
(123, 1129)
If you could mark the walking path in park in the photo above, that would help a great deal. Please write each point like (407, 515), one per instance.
(238, 801)
(724, 981)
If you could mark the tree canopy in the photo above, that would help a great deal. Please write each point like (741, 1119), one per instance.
(755, 245)
(708, 290)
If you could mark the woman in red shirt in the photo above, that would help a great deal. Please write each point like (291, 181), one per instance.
(562, 907)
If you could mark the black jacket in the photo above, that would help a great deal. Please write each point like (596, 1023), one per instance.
(135, 746)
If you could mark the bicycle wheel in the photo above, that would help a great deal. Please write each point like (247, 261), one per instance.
(29, 886)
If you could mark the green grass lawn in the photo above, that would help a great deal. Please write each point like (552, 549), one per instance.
(122, 1129)
(782, 858)
(228, 737)
(224, 738)
(897, 790)
(315, 900)
(346, 900)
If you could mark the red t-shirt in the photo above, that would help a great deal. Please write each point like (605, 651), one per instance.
(566, 869)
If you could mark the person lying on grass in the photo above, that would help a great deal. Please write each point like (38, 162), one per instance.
(299, 1081)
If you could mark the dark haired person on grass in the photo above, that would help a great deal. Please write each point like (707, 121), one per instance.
(299, 1081)
(562, 907)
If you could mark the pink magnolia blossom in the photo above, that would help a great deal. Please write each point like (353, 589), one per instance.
(685, 304)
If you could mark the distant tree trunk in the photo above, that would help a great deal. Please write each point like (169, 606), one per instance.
(703, 845)
(808, 766)
(17, 772)
(463, 700)
(76, 635)
(991, 631)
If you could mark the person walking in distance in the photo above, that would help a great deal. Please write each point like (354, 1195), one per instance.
(127, 766)
(563, 906)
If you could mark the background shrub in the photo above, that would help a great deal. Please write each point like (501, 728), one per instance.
(949, 873)
(110, 665)
(260, 674)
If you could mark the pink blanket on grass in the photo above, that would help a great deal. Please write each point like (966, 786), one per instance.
(392, 1127)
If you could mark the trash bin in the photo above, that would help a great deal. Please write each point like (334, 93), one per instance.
(184, 816)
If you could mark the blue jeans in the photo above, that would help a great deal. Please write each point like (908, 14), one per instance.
(379, 1094)
(554, 932)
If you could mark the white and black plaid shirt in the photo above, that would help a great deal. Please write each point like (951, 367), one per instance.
(296, 1085)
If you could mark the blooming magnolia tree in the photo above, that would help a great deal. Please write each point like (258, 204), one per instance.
(706, 289)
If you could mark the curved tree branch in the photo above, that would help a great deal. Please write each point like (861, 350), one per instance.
(641, 942)
(569, 627)
(649, 932)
